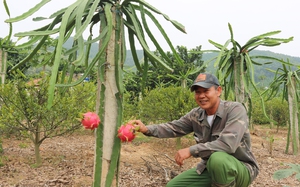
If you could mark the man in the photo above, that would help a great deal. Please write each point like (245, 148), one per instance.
(223, 141)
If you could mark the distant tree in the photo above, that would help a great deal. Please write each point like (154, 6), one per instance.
(261, 79)
(14, 56)
(43, 58)
(191, 65)
(185, 64)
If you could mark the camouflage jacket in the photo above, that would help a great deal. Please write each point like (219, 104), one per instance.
(229, 133)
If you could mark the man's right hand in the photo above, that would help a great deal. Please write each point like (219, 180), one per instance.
(139, 126)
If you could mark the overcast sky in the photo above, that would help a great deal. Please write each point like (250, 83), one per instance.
(203, 20)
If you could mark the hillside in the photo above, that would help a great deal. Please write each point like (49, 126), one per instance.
(260, 71)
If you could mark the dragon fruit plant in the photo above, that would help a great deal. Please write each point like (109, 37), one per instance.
(90, 120)
(126, 132)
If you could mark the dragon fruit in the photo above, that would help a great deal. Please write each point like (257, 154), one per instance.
(90, 120)
(126, 132)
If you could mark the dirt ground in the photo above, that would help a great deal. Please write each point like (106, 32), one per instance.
(146, 162)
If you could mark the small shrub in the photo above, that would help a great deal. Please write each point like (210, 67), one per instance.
(276, 109)
(166, 104)
(270, 139)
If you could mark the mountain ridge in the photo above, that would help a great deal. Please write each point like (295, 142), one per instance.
(261, 72)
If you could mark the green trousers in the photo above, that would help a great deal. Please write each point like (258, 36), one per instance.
(222, 170)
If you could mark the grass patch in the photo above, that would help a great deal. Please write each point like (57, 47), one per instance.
(3, 159)
(23, 145)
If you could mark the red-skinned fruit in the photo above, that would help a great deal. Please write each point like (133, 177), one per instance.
(126, 132)
(90, 120)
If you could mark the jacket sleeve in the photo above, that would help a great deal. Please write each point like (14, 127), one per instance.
(176, 128)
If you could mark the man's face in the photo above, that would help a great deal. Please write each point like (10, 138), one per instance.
(208, 98)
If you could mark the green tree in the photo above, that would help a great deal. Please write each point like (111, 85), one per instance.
(289, 80)
(235, 66)
(24, 110)
(113, 16)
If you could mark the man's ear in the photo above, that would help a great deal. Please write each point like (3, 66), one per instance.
(219, 90)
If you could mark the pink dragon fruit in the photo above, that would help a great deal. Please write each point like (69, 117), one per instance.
(126, 132)
(90, 120)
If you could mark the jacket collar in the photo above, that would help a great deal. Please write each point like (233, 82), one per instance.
(219, 112)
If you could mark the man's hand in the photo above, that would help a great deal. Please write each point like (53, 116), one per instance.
(181, 155)
(141, 127)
